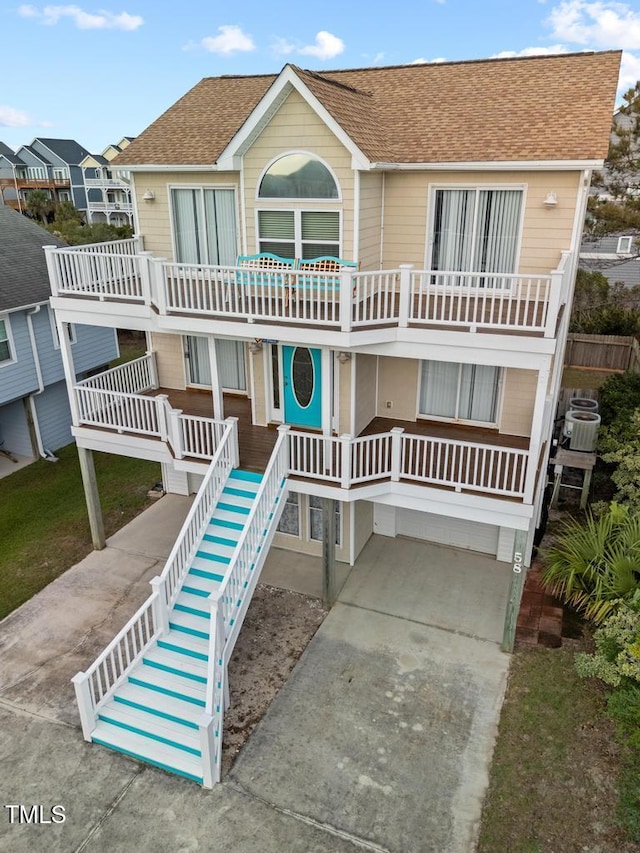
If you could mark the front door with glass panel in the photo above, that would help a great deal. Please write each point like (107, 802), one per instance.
(302, 379)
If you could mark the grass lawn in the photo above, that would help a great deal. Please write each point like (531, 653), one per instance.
(588, 380)
(131, 346)
(553, 778)
(44, 528)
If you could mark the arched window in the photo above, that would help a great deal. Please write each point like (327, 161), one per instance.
(298, 176)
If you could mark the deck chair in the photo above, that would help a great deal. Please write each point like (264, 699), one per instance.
(323, 266)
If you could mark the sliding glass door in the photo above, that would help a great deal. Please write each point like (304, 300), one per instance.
(204, 226)
(461, 392)
(230, 358)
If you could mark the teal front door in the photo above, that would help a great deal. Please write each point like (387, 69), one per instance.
(301, 372)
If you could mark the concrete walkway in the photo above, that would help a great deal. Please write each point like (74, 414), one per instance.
(380, 739)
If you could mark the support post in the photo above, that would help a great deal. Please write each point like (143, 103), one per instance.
(216, 388)
(345, 461)
(235, 442)
(346, 291)
(405, 295)
(145, 259)
(328, 552)
(160, 610)
(92, 498)
(518, 577)
(537, 436)
(85, 704)
(396, 453)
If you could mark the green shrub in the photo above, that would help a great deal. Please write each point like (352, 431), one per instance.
(616, 660)
(618, 398)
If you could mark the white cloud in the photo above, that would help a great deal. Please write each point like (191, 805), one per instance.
(10, 117)
(596, 24)
(100, 20)
(230, 39)
(282, 47)
(629, 71)
(422, 61)
(326, 46)
(531, 51)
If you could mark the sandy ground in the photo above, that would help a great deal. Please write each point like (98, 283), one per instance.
(278, 626)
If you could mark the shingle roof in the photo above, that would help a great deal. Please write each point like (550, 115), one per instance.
(23, 270)
(11, 156)
(67, 149)
(36, 153)
(534, 108)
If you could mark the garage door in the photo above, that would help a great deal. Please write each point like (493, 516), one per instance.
(448, 531)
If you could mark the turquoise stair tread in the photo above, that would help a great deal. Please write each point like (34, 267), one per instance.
(222, 516)
(213, 557)
(196, 584)
(151, 727)
(185, 645)
(150, 688)
(195, 604)
(188, 669)
(208, 569)
(219, 537)
(231, 527)
(163, 756)
(225, 551)
(251, 476)
(230, 506)
(185, 622)
(237, 492)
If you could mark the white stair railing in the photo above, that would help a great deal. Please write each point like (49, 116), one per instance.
(230, 602)
(96, 685)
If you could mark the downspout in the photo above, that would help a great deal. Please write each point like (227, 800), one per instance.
(42, 450)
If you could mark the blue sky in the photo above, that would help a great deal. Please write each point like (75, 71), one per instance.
(97, 71)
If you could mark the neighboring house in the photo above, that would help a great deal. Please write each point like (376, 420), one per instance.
(108, 189)
(616, 256)
(413, 378)
(35, 417)
(52, 165)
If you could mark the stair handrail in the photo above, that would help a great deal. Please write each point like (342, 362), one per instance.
(224, 629)
(96, 685)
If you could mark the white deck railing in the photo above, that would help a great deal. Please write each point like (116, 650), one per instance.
(526, 303)
(132, 377)
(96, 685)
(232, 598)
(115, 410)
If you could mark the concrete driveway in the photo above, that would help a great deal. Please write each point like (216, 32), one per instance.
(381, 738)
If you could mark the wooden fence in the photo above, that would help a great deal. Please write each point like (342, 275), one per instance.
(603, 352)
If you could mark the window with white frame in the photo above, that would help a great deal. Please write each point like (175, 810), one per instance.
(475, 230)
(290, 518)
(61, 174)
(315, 519)
(5, 342)
(298, 175)
(36, 173)
(299, 233)
(204, 226)
(624, 245)
(461, 392)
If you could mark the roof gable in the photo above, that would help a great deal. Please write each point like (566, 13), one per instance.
(68, 150)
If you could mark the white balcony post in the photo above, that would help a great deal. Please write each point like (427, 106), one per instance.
(235, 447)
(553, 304)
(162, 410)
(158, 283)
(345, 446)
(153, 369)
(138, 242)
(396, 453)
(285, 428)
(405, 294)
(174, 432)
(69, 369)
(216, 385)
(52, 268)
(145, 259)
(210, 774)
(159, 606)
(85, 704)
(346, 298)
(537, 437)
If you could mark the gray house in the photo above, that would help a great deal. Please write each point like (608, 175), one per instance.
(35, 418)
(616, 256)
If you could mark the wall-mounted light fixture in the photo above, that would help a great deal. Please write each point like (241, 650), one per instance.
(149, 195)
(255, 346)
(551, 200)
(344, 357)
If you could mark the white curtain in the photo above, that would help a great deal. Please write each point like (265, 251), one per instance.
(439, 388)
(453, 230)
(185, 220)
(478, 393)
(231, 369)
(205, 226)
(220, 219)
(465, 391)
(497, 230)
(199, 363)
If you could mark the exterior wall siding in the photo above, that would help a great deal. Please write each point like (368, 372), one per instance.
(169, 361)
(18, 378)
(363, 525)
(14, 428)
(94, 347)
(546, 232)
(295, 127)
(371, 194)
(398, 384)
(365, 398)
(54, 416)
(518, 398)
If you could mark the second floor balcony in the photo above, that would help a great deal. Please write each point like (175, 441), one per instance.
(120, 272)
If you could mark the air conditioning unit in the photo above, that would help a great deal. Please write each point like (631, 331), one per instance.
(582, 404)
(581, 428)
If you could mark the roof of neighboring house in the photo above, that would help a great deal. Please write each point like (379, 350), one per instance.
(36, 153)
(625, 272)
(10, 154)
(534, 108)
(23, 270)
(608, 243)
(67, 149)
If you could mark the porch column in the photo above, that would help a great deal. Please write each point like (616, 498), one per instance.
(92, 498)
(328, 552)
(216, 390)
(537, 438)
(518, 577)
(69, 369)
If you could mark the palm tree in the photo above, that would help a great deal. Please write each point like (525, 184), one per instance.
(39, 205)
(592, 567)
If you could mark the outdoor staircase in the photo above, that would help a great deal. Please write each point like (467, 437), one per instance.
(154, 714)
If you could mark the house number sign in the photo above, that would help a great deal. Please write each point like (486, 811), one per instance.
(517, 563)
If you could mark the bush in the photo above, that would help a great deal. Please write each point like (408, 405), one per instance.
(619, 397)
(617, 656)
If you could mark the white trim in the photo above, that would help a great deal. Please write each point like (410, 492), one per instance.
(242, 213)
(13, 357)
(629, 244)
(355, 248)
(270, 102)
(339, 526)
(493, 165)
(325, 389)
(297, 200)
(383, 198)
(352, 394)
(174, 167)
(54, 331)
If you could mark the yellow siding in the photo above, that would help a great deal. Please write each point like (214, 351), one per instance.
(370, 219)
(295, 127)
(154, 217)
(365, 408)
(518, 401)
(169, 360)
(259, 388)
(398, 383)
(546, 231)
(363, 525)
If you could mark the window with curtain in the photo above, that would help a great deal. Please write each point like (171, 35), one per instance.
(204, 224)
(476, 230)
(5, 348)
(290, 518)
(299, 233)
(466, 392)
(315, 519)
(230, 358)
